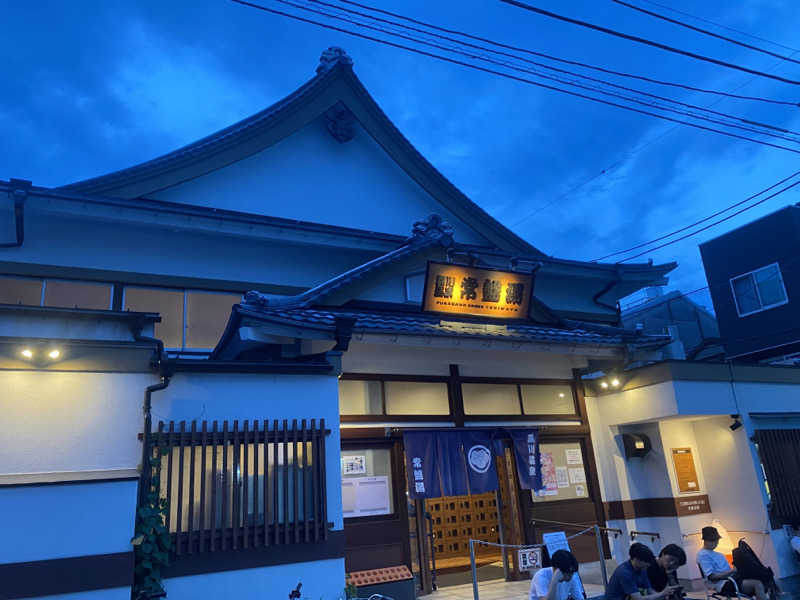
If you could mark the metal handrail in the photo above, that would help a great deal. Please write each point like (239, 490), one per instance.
(651, 534)
(614, 530)
(762, 532)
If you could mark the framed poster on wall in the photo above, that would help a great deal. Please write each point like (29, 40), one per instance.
(685, 472)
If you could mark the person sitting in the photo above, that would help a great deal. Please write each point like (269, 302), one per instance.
(663, 571)
(630, 581)
(718, 571)
(558, 581)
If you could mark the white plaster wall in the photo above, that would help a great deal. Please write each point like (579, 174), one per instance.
(322, 580)
(200, 396)
(704, 398)
(62, 520)
(768, 397)
(70, 421)
(311, 177)
(403, 360)
(129, 247)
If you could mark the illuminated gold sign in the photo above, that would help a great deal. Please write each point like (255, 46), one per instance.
(458, 289)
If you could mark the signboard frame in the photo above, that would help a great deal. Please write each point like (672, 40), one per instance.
(525, 305)
(685, 470)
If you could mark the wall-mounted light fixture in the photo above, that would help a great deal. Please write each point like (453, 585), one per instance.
(737, 422)
(40, 353)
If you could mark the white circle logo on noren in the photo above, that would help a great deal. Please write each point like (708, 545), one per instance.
(479, 458)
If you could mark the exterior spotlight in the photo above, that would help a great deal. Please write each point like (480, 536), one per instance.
(54, 354)
(27, 353)
(736, 423)
(615, 382)
(561, 394)
(604, 385)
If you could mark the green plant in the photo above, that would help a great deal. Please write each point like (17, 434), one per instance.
(350, 591)
(151, 542)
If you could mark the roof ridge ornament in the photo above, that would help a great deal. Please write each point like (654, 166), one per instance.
(331, 57)
(433, 228)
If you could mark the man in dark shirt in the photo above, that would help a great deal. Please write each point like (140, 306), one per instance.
(630, 581)
(662, 572)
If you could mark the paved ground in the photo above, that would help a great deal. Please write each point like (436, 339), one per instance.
(512, 590)
(497, 590)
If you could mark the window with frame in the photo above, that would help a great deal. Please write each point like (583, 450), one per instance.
(367, 487)
(518, 399)
(759, 290)
(61, 293)
(402, 398)
(190, 319)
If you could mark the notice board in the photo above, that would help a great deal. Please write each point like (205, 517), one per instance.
(685, 472)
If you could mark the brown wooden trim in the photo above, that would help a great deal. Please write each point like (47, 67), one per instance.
(516, 381)
(657, 507)
(230, 560)
(367, 433)
(525, 418)
(68, 482)
(395, 418)
(395, 377)
(66, 575)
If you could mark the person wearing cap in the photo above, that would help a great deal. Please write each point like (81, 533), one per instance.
(558, 581)
(630, 581)
(718, 571)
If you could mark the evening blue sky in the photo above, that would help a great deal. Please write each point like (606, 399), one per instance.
(91, 87)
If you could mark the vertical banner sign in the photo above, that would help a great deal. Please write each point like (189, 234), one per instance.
(526, 451)
(464, 290)
(421, 464)
(450, 463)
(481, 468)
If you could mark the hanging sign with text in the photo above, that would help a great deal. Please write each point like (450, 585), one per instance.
(463, 290)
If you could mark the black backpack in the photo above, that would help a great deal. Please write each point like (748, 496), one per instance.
(749, 566)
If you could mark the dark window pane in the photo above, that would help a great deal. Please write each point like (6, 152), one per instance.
(168, 303)
(769, 285)
(206, 316)
(80, 294)
(17, 290)
(745, 292)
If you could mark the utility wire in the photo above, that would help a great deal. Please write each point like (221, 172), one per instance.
(710, 225)
(700, 221)
(524, 80)
(704, 31)
(536, 63)
(565, 61)
(715, 24)
(641, 40)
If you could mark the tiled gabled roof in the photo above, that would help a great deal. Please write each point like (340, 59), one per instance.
(401, 323)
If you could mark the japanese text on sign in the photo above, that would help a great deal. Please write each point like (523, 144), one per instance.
(458, 289)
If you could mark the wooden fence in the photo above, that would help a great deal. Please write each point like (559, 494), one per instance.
(233, 487)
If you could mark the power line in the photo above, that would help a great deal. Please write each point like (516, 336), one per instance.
(566, 61)
(709, 226)
(545, 66)
(640, 40)
(715, 24)
(704, 31)
(524, 80)
(701, 221)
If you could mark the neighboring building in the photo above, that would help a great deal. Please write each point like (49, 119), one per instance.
(753, 274)
(681, 444)
(692, 325)
(308, 204)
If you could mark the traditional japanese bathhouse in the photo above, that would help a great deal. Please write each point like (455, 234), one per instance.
(344, 252)
(442, 337)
